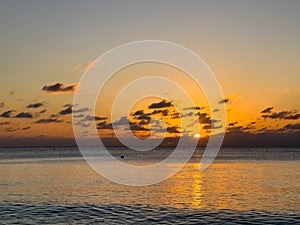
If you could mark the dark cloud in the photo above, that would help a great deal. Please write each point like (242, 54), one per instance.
(59, 87)
(175, 115)
(143, 117)
(66, 111)
(104, 126)
(237, 129)
(35, 105)
(49, 120)
(293, 116)
(204, 118)
(144, 122)
(25, 128)
(193, 108)
(232, 124)
(211, 126)
(24, 115)
(267, 110)
(284, 115)
(69, 110)
(173, 130)
(138, 113)
(121, 122)
(161, 104)
(92, 118)
(81, 110)
(7, 114)
(79, 116)
(225, 100)
(136, 127)
(292, 126)
(164, 112)
(43, 111)
(5, 123)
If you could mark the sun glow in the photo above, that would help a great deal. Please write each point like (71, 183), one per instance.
(196, 135)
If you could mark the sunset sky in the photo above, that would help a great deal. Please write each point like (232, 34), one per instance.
(252, 47)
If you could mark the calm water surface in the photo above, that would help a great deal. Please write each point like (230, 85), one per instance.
(242, 186)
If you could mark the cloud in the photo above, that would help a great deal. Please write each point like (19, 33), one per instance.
(69, 110)
(121, 122)
(5, 123)
(92, 118)
(49, 120)
(292, 126)
(83, 68)
(173, 130)
(238, 129)
(267, 110)
(138, 113)
(2, 104)
(43, 111)
(164, 112)
(88, 65)
(161, 104)
(81, 110)
(13, 129)
(143, 117)
(223, 101)
(66, 111)
(35, 105)
(79, 116)
(204, 118)
(283, 115)
(104, 126)
(175, 115)
(59, 87)
(232, 124)
(7, 114)
(136, 127)
(144, 122)
(193, 108)
(24, 115)
(25, 128)
(230, 99)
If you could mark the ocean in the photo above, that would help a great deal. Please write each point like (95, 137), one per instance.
(241, 186)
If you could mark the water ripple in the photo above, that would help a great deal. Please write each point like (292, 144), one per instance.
(84, 213)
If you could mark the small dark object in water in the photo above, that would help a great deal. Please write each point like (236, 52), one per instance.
(122, 156)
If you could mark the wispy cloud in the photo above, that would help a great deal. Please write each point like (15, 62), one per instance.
(49, 120)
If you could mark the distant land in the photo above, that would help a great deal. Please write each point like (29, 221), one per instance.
(267, 139)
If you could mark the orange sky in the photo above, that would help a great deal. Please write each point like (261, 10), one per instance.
(46, 48)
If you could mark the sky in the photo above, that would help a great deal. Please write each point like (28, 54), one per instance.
(252, 47)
